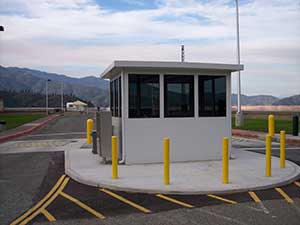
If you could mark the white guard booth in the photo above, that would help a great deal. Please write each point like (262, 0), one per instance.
(186, 102)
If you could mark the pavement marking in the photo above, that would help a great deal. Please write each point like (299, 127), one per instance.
(175, 201)
(82, 205)
(287, 198)
(222, 199)
(254, 196)
(47, 203)
(55, 134)
(48, 215)
(260, 203)
(231, 220)
(27, 213)
(297, 183)
(141, 208)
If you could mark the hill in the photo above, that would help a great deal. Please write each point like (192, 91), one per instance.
(27, 98)
(254, 100)
(88, 88)
(293, 100)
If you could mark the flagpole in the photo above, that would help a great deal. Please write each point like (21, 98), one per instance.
(239, 115)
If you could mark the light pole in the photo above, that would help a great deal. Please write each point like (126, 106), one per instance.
(239, 120)
(62, 96)
(48, 80)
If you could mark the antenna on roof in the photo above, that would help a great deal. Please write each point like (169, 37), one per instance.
(182, 53)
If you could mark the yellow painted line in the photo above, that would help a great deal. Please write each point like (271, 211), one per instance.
(141, 208)
(82, 205)
(297, 183)
(175, 201)
(254, 196)
(36, 206)
(287, 198)
(48, 215)
(47, 203)
(222, 199)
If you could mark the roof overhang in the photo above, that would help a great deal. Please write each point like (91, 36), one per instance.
(117, 66)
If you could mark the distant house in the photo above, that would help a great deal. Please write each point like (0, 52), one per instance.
(77, 106)
(1, 105)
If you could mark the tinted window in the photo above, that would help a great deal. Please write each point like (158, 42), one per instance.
(112, 109)
(143, 96)
(179, 95)
(212, 96)
(115, 97)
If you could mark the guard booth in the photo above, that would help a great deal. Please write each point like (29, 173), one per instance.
(187, 102)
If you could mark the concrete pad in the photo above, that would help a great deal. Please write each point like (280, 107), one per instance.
(247, 172)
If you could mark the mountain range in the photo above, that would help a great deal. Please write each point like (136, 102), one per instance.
(87, 88)
(95, 89)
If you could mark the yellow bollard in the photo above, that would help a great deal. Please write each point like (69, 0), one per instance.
(114, 157)
(225, 161)
(282, 149)
(166, 161)
(268, 155)
(89, 128)
(271, 125)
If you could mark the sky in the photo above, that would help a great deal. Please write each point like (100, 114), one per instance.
(82, 37)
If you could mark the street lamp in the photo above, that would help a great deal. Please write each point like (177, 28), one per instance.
(239, 120)
(62, 96)
(48, 80)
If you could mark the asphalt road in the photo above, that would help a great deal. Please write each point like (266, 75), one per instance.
(25, 178)
(71, 125)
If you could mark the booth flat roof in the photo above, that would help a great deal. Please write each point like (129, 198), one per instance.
(118, 65)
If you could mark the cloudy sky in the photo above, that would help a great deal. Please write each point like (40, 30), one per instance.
(82, 37)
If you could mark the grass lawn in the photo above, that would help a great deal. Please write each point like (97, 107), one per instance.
(262, 125)
(15, 120)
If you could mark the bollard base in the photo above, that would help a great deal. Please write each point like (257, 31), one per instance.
(239, 119)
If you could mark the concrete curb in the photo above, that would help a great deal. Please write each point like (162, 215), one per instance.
(77, 177)
(27, 131)
(262, 136)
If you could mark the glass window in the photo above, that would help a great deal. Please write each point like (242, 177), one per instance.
(143, 96)
(120, 95)
(212, 96)
(179, 95)
(112, 109)
(115, 97)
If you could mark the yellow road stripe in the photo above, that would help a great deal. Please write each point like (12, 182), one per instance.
(48, 215)
(141, 208)
(175, 201)
(287, 198)
(27, 213)
(47, 203)
(254, 196)
(222, 199)
(297, 183)
(82, 205)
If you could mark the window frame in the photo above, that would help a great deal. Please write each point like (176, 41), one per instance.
(201, 96)
(116, 97)
(191, 81)
(139, 77)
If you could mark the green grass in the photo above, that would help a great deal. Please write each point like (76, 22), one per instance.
(262, 125)
(15, 120)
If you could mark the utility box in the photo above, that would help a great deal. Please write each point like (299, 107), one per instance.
(104, 132)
